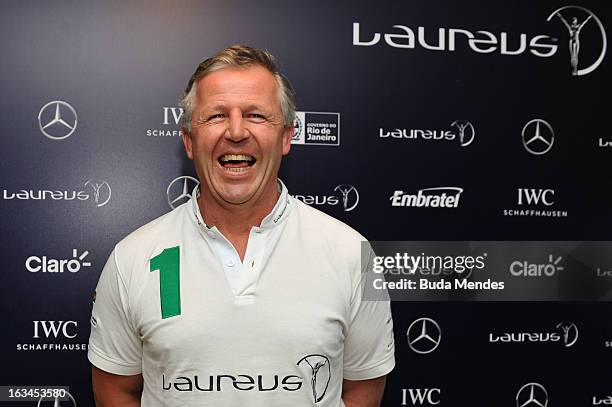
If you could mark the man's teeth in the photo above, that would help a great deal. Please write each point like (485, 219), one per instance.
(236, 169)
(236, 157)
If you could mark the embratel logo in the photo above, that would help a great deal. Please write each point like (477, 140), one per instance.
(179, 190)
(574, 18)
(424, 335)
(53, 336)
(171, 118)
(439, 197)
(345, 196)
(460, 130)
(538, 136)
(316, 128)
(421, 397)
(535, 202)
(532, 395)
(524, 268)
(57, 120)
(319, 377)
(566, 333)
(98, 192)
(44, 264)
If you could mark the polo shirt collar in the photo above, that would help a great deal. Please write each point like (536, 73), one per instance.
(275, 217)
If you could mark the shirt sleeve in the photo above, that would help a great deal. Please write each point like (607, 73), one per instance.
(114, 344)
(369, 348)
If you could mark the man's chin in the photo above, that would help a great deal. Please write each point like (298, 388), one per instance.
(236, 197)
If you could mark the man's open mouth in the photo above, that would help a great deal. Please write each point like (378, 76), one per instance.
(236, 162)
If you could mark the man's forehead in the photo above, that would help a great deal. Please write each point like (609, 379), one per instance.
(248, 85)
(254, 78)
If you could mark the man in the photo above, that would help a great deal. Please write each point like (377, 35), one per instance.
(243, 296)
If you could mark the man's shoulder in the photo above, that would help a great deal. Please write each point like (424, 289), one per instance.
(165, 228)
(325, 226)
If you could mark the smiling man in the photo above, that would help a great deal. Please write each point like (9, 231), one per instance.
(243, 296)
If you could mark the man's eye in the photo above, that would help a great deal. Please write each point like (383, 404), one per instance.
(256, 116)
(215, 116)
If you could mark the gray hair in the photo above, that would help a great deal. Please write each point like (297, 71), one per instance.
(240, 56)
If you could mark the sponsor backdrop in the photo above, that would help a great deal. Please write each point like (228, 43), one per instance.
(422, 121)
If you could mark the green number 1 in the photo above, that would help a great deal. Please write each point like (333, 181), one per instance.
(168, 264)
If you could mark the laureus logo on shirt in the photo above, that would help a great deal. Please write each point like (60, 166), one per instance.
(319, 369)
(321, 374)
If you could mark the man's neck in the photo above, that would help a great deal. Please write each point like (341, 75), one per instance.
(235, 221)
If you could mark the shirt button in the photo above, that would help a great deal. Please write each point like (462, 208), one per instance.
(230, 263)
(211, 235)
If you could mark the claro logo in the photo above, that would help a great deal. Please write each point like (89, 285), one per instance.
(44, 264)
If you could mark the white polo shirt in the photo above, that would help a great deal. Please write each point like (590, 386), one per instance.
(283, 328)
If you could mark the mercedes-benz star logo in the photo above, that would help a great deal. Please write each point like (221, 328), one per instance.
(574, 26)
(57, 120)
(466, 132)
(424, 335)
(102, 191)
(538, 136)
(56, 400)
(532, 395)
(179, 190)
(349, 201)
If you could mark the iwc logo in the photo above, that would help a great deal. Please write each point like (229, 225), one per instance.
(179, 190)
(57, 120)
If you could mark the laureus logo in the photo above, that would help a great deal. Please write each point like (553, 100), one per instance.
(101, 191)
(575, 18)
(320, 370)
(466, 132)
(350, 196)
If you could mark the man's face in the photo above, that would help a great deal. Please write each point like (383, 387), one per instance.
(237, 138)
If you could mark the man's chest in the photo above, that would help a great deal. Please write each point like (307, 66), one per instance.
(298, 306)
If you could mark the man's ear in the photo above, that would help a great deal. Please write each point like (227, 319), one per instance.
(288, 133)
(187, 142)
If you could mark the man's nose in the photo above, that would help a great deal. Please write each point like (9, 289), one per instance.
(236, 130)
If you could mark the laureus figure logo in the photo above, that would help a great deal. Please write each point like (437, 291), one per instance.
(102, 191)
(320, 374)
(574, 27)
